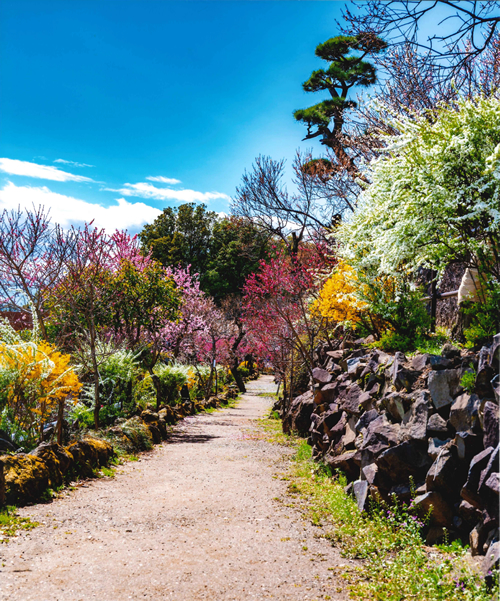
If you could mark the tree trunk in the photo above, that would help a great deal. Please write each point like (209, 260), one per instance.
(60, 417)
(238, 379)
(158, 387)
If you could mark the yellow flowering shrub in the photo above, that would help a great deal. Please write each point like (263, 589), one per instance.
(37, 380)
(337, 301)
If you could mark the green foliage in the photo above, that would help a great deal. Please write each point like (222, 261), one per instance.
(119, 373)
(181, 236)
(236, 247)
(222, 251)
(393, 312)
(344, 72)
(485, 316)
(468, 380)
(173, 378)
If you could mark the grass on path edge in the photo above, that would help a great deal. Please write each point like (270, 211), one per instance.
(394, 562)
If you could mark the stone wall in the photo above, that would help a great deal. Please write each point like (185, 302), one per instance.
(384, 420)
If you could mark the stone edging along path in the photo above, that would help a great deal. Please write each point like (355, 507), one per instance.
(196, 518)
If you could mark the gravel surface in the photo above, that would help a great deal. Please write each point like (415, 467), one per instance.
(196, 518)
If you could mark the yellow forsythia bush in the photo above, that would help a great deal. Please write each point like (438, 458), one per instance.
(337, 301)
(37, 378)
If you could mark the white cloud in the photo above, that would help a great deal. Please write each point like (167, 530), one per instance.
(74, 163)
(15, 167)
(163, 180)
(68, 211)
(144, 190)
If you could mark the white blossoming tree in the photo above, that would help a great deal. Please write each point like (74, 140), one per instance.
(434, 196)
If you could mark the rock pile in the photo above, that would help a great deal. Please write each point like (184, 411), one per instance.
(383, 420)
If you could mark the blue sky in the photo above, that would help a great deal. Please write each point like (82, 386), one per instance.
(100, 97)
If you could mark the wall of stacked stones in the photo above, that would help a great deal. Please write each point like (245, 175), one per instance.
(385, 421)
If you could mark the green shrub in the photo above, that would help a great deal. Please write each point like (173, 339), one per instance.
(468, 381)
(485, 316)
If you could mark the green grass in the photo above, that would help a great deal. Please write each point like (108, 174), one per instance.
(395, 564)
(10, 523)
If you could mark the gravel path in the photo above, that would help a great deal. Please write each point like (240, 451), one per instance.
(195, 519)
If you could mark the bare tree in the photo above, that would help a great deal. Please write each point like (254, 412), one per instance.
(33, 253)
(263, 198)
(468, 28)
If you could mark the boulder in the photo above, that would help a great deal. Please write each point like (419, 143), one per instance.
(355, 367)
(26, 478)
(490, 469)
(421, 361)
(479, 535)
(490, 425)
(364, 420)
(321, 376)
(446, 474)
(437, 427)
(360, 490)
(468, 445)
(350, 399)
(441, 514)
(348, 463)
(469, 490)
(327, 394)
(469, 513)
(380, 434)
(443, 386)
(397, 404)
(483, 387)
(401, 378)
(492, 558)
(404, 460)
(414, 423)
(450, 351)
(299, 416)
(58, 460)
(436, 445)
(464, 412)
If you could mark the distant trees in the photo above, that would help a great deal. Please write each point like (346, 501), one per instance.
(181, 236)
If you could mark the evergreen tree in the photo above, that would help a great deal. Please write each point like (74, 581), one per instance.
(346, 70)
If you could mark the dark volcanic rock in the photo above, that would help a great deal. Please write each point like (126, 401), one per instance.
(321, 376)
(404, 460)
(414, 424)
(443, 385)
(469, 490)
(441, 514)
(380, 434)
(299, 415)
(348, 463)
(446, 474)
(464, 412)
(437, 427)
(468, 445)
(490, 424)
(350, 400)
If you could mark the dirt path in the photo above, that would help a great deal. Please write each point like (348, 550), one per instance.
(194, 519)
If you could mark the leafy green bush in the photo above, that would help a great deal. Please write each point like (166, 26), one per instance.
(485, 316)
(468, 381)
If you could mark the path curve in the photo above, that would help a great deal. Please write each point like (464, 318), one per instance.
(195, 519)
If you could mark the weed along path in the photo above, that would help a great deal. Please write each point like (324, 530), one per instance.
(196, 518)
